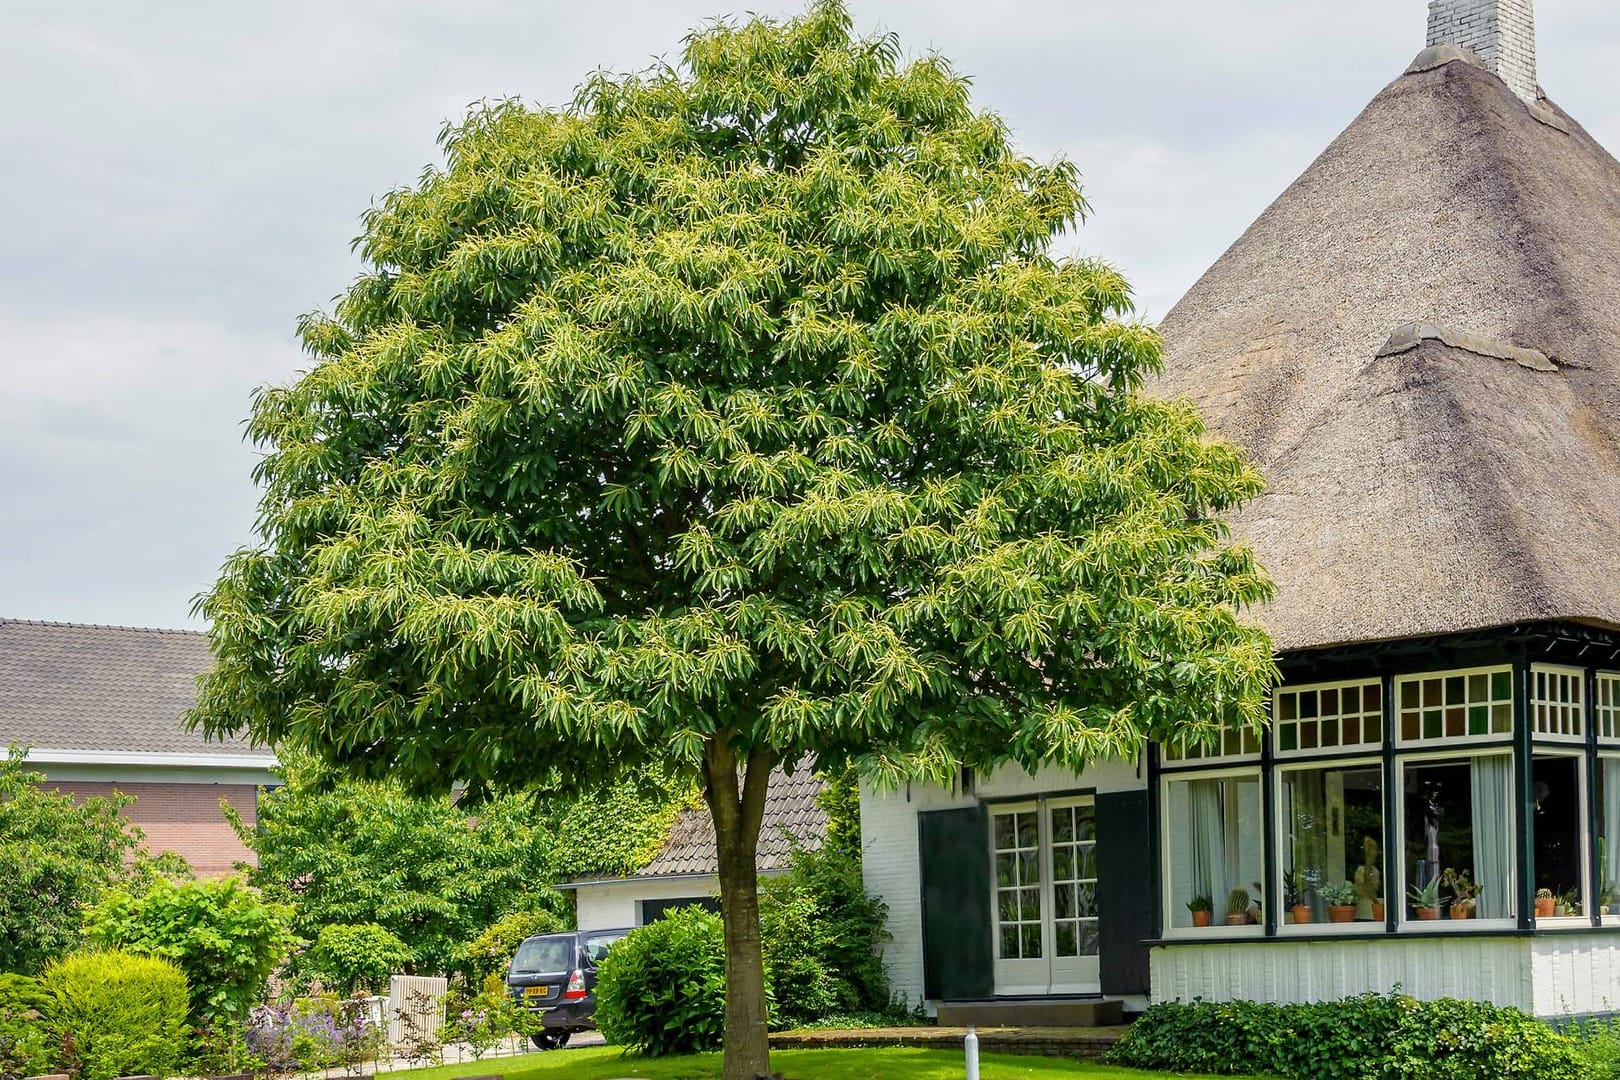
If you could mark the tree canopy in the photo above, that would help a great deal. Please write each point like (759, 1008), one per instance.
(736, 414)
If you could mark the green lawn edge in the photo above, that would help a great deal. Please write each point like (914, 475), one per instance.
(881, 1063)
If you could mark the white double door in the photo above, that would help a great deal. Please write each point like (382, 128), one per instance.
(1044, 873)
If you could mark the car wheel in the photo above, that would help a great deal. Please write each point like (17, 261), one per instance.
(548, 1040)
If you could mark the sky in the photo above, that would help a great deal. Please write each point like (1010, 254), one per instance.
(180, 181)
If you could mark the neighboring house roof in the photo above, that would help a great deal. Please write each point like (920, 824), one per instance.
(793, 818)
(1419, 345)
(114, 691)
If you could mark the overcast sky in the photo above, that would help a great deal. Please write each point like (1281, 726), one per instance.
(180, 180)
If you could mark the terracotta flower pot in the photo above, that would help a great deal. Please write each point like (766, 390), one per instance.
(1544, 908)
(1302, 914)
(1238, 920)
(1341, 913)
(1200, 918)
(1378, 913)
(1427, 913)
(1462, 911)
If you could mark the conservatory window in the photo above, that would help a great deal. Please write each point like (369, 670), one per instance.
(1558, 828)
(1608, 708)
(1332, 847)
(1608, 800)
(1343, 716)
(1455, 706)
(1214, 849)
(1558, 706)
(1234, 743)
(1457, 838)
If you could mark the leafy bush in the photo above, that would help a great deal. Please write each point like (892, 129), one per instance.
(662, 989)
(491, 951)
(823, 935)
(357, 957)
(486, 1019)
(116, 1014)
(1371, 1037)
(25, 1048)
(56, 856)
(1600, 1040)
(221, 933)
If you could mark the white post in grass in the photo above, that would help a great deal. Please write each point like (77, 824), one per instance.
(971, 1045)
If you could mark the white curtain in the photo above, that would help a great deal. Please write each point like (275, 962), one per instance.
(1493, 827)
(1207, 803)
(1611, 827)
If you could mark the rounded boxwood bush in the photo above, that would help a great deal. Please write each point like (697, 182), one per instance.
(116, 1014)
(351, 957)
(662, 990)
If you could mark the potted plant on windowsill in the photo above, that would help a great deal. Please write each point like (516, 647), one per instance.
(1340, 899)
(1369, 884)
(1200, 906)
(1545, 903)
(1463, 893)
(1297, 910)
(1425, 899)
(1237, 907)
(1569, 903)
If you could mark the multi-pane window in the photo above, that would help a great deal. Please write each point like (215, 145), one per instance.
(1018, 884)
(1333, 851)
(1239, 742)
(1559, 831)
(1558, 704)
(1215, 851)
(1454, 706)
(1345, 716)
(1458, 831)
(1074, 880)
(1608, 707)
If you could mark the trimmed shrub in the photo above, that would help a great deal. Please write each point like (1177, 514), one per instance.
(1371, 1037)
(25, 1048)
(359, 956)
(662, 990)
(491, 951)
(116, 1014)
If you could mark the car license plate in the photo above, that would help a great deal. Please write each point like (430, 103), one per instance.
(537, 991)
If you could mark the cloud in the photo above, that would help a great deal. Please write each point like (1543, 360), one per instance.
(183, 179)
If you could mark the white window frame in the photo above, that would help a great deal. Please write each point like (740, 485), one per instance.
(1584, 831)
(1422, 744)
(1607, 715)
(1280, 838)
(1207, 759)
(1607, 919)
(1362, 747)
(1539, 704)
(1446, 924)
(1217, 927)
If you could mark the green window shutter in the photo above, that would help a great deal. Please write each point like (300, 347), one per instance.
(1126, 890)
(955, 854)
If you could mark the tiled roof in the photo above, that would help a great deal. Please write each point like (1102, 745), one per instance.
(791, 817)
(67, 686)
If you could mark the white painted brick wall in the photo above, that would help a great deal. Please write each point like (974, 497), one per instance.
(1502, 32)
(889, 861)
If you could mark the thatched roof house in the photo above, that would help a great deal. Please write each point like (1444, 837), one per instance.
(1419, 345)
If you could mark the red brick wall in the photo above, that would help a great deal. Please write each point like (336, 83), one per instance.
(183, 818)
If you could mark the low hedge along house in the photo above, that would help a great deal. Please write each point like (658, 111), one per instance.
(1419, 345)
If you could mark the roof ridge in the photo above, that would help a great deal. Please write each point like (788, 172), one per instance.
(101, 626)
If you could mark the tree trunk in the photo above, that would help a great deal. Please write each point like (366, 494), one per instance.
(737, 817)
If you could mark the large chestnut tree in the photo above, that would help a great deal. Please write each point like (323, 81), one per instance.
(736, 415)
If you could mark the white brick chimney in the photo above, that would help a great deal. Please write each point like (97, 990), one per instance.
(1503, 32)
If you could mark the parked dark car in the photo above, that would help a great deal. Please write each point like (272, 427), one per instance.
(555, 975)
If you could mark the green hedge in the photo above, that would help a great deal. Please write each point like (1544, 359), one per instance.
(116, 1014)
(662, 990)
(1372, 1037)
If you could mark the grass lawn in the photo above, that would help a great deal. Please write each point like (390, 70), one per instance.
(898, 1063)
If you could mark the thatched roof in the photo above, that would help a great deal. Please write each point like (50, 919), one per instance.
(1419, 344)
